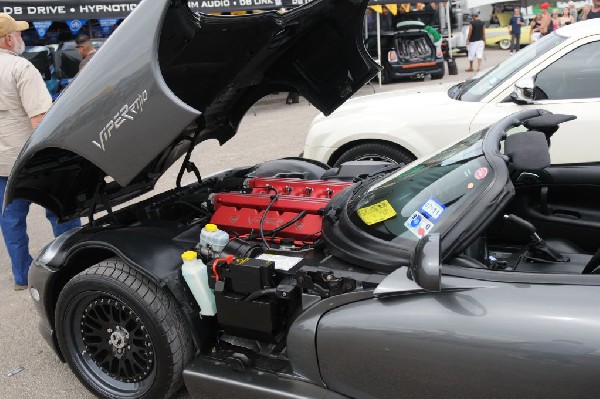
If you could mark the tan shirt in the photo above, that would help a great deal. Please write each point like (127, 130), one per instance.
(23, 95)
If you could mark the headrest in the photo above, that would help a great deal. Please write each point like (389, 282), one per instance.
(527, 150)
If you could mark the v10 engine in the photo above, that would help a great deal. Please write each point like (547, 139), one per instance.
(284, 208)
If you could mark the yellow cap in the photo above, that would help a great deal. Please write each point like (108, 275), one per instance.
(211, 227)
(9, 25)
(189, 255)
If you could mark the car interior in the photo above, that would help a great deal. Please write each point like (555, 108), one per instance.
(551, 224)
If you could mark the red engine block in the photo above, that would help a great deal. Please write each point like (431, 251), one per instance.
(240, 214)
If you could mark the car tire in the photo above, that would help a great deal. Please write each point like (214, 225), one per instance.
(375, 152)
(386, 77)
(504, 44)
(121, 334)
(436, 76)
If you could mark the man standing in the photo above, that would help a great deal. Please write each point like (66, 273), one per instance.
(86, 49)
(24, 100)
(515, 24)
(595, 11)
(572, 10)
(546, 23)
(476, 41)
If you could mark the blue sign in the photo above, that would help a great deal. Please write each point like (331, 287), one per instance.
(107, 23)
(75, 25)
(42, 27)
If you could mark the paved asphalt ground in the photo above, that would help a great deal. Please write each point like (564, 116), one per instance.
(272, 129)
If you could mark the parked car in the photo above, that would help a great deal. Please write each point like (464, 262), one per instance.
(500, 36)
(560, 73)
(408, 52)
(358, 281)
(42, 57)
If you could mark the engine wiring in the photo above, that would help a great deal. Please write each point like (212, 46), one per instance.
(264, 215)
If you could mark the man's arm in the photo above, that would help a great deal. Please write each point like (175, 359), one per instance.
(35, 120)
(469, 35)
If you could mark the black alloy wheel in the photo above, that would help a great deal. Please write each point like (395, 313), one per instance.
(385, 152)
(121, 334)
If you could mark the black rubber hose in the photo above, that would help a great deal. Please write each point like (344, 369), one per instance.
(259, 293)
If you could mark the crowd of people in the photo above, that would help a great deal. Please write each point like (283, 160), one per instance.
(547, 22)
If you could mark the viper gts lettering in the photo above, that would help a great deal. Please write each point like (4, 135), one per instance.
(126, 112)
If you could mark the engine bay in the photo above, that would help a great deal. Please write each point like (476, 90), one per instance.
(275, 263)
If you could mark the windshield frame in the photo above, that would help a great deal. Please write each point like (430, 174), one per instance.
(480, 86)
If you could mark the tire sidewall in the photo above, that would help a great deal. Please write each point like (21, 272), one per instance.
(381, 149)
(104, 286)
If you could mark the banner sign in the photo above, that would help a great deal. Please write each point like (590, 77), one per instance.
(42, 27)
(107, 23)
(233, 5)
(71, 10)
(58, 10)
(75, 25)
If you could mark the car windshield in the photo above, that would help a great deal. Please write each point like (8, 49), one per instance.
(407, 204)
(475, 89)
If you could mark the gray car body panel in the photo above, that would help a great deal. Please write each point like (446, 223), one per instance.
(503, 340)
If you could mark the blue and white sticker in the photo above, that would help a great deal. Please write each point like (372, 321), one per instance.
(418, 224)
(432, 209)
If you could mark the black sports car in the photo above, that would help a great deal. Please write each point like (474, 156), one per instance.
(465, 274)
(407, 52)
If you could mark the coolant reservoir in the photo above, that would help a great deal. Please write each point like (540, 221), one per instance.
(196, 277)
(212, 237)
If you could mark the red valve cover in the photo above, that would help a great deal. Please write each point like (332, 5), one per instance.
(240, 214)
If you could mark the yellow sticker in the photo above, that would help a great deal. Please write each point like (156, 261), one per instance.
(377, 212)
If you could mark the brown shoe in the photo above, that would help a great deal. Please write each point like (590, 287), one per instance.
(469, 70)
(20, 287)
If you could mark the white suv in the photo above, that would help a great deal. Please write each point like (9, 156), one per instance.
(560, 73)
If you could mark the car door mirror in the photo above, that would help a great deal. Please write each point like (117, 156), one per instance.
(426, 265)
(524, 91)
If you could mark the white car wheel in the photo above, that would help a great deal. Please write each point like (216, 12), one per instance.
(504, 44)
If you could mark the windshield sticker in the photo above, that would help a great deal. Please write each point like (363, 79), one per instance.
(376, 213)
(418, 224)
(481, 173)
(433, 209)
(126, 112)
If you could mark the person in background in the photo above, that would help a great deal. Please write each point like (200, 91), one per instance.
(386, 20)
(584, 12)
(24, 100)
(594, 11)
(436, 37)
(86, 49)
(371, 20)
(572, 11)
(534, 32)
(475, 41)
(514, 25)
(566, 18)
(555, 19)
(546, 23)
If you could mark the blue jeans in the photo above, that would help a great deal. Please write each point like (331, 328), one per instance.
(14, 230)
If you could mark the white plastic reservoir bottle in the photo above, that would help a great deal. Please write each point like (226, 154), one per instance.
(194, 274)
(211, 236)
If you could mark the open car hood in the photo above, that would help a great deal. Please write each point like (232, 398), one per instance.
(168, 79)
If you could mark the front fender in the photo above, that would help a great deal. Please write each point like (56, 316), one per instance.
(151, 251)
